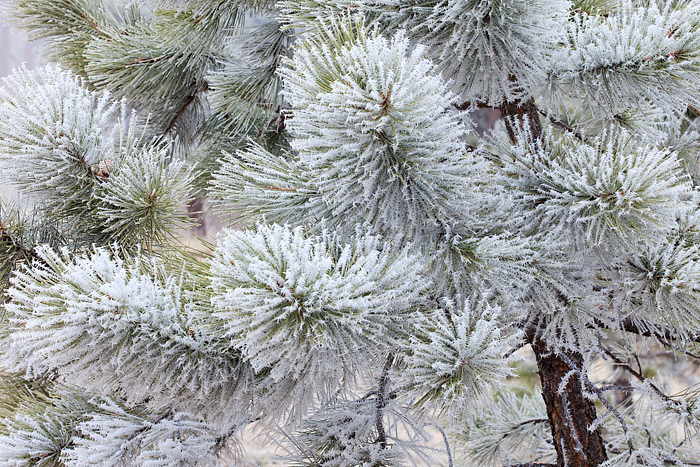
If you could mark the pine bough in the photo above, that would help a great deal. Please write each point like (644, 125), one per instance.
(387, 262)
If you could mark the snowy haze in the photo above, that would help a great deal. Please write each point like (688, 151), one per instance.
(14, 48)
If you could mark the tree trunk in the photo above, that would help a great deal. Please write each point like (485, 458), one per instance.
(570, 413)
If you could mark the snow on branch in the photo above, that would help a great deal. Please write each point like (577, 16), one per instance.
(642, 53)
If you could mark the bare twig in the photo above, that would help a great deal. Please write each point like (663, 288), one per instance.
(447, 443)
(637, 374)
(515, 349)
(381, 401)
(564, 126)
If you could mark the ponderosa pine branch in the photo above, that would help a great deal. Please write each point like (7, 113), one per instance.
(181, 110)
(445, 440)
(563, 125)
(569, 432)
(400, 238)
(381, 401)
(648, 330)
(637, 374)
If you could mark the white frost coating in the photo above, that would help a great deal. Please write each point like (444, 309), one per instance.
(648, 53)
(344, 434)
(510, 429)
(574, 237)
(374, 126)
(143, 197)
(492, 50)
(654, 426)
(268, 185)
(456, 355)
(82, 156)
(113, 326)
(661, 284)
(487, 264)
(114, 437)
(32, 437)
(311, 309)
(646, 456)
(602, 193)
(52, 134)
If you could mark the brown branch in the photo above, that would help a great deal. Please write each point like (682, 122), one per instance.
(515, 348)
(564, 126)
(167, 414)
(522, 116)
(190, 99)
(532, 421)
(637, 374)
(381, 402)
(468, 105)
(660, 332)
(569, 411)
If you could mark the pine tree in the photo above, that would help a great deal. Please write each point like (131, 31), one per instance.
(383, 264)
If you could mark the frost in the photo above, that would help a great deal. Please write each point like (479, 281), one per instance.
(311, 310)
(374, 128)
(456, 356)
(108, 324)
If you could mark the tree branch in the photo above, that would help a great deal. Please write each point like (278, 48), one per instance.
(190, 99)
(381, 401)
(447, 443)
(655, 331)
(564, 126)
(637, 374)
(468, 105)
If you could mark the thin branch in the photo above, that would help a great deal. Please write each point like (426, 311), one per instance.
(447, 443)
(670, 345)
(658, 332)
(125, 445)
(470, 105)
(483, 153)
(222, 439)
(611, 409)
(637, 374)
(381, 401)
(532, 421)
(618, 387)
(564, 126)
(190, 99)
(515, 349)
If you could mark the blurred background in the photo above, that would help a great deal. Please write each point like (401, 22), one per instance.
(15, 49)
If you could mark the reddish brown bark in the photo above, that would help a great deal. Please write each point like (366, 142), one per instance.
(525, 115)
(570, 413)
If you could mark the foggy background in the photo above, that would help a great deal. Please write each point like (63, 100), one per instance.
(14, 47)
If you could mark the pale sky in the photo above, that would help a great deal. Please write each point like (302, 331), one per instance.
(14, 49)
